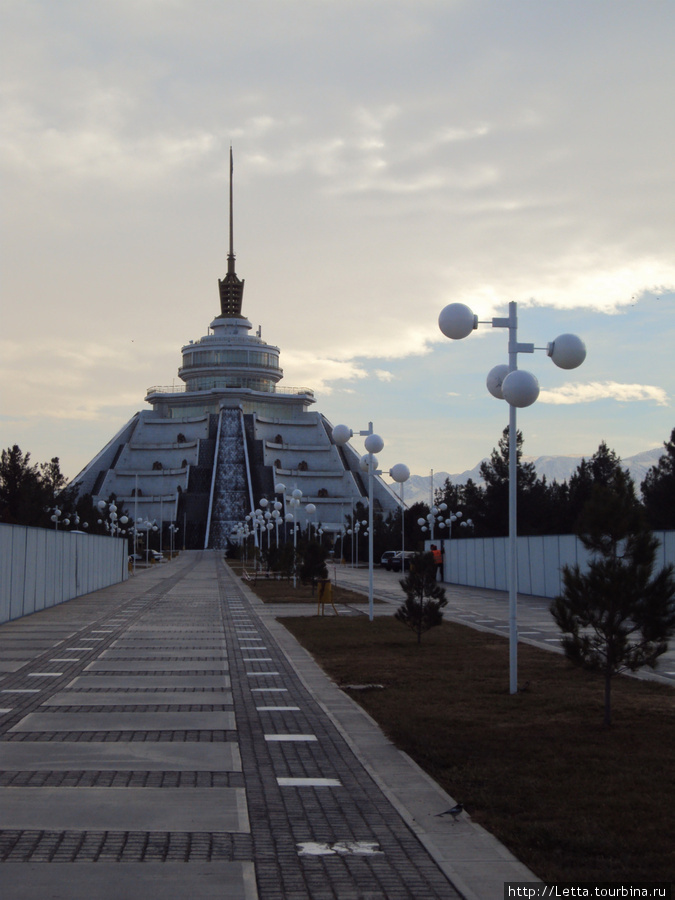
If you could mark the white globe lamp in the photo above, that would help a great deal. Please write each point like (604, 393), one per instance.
(520, 388)
(399, 473)
(374, 443)
(495, 380)
(457, 321)
(567, 351)
(342, 434)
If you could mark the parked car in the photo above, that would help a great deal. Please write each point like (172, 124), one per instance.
(387, 556)
(404, 558)
(146, 556)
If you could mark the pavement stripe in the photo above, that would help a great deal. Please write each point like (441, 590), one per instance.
(140, 698)
(112, 756)
(126, 721)
(308, 782)
(132, 881)
(124, 809)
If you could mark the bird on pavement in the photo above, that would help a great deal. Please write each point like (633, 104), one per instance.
(454, 812)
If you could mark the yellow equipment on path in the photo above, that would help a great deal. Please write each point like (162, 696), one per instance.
(325, 595)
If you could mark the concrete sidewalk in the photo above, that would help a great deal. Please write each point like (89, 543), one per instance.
(167, 737)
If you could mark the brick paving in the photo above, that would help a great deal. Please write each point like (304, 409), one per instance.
(288, 813)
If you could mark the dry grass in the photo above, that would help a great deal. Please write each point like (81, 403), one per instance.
(573, 800)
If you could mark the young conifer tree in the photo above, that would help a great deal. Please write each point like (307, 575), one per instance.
(313, 566)
(425, 598)
(616, 615)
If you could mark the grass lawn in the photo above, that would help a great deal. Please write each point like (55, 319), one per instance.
(273, 590)
(573, 800)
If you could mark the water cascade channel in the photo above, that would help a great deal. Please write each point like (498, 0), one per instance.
(230, 493)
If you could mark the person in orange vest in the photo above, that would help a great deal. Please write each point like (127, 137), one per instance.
(438, 561)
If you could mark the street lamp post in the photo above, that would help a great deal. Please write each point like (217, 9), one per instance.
(113, 526)
(71, 518)
(147, 526)
(520, 389)
(355, 531)
(276, 515)
(400, 473)
(279, 488)
(296, 497)
(310, 509)
(263, 504)
(373, 444)
(172, 531)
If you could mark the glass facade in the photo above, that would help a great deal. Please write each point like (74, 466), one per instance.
(230, 357)
(208, 382)
(263, 409)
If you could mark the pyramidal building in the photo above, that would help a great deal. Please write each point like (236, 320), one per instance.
(206, 452)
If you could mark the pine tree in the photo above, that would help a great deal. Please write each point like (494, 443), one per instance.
(495, 473)
(26, 490)
(658, 489)
(600, 469)
(615, 616)
(425, 598)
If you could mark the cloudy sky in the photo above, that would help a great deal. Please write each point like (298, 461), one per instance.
(391, 157)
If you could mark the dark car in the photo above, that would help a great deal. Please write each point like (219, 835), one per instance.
(405, 558)
(387, 556)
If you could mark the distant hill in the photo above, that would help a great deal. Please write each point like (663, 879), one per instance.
(555, 468)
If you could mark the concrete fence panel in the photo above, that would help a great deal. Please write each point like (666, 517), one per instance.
(488, 556)
(483, 562)
(666, 552)
(16, 599)
(524, 579)
(40, 568)
(479, 562)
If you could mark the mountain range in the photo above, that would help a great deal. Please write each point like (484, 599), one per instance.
(558, 468)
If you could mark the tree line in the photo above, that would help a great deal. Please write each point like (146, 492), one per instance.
(30, 492)
(545, 507)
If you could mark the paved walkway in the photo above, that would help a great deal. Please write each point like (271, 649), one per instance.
(167, 738)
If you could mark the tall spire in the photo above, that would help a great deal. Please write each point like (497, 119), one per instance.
(231, 288)
(230, 258)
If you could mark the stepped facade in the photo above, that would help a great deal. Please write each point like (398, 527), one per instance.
(207, 451)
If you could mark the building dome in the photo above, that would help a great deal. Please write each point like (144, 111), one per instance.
(230, 358)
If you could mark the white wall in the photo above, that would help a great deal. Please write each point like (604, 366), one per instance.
(483, 562)
(41, 568)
